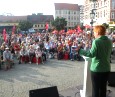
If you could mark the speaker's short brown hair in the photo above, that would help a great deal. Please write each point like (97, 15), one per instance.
(100, 29)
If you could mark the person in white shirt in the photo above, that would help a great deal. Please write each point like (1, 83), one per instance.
(35, 45)
(23, 54)
(7, 58)
(73, 52)
(38, 54)
(47, 47)
(31, 53)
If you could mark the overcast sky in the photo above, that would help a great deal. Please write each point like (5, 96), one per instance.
(27, 7)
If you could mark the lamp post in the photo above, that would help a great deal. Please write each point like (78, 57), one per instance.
(92, 16)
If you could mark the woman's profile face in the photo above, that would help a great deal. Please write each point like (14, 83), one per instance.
(95, 34)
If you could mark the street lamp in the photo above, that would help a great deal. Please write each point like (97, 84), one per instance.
(92, 16)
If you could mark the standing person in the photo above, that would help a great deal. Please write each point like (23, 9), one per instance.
(100, 67)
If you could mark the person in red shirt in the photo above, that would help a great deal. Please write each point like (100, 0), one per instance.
(17, 49)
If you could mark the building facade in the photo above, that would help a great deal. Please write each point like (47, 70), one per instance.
(38, 21)
(81, 13)
(104, 11)
(71, 12)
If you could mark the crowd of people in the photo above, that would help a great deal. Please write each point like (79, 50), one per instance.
(43, 46)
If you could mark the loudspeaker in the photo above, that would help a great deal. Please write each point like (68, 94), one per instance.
(44, 92)
(111, 79)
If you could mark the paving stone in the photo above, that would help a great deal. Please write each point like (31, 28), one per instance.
(64, 74)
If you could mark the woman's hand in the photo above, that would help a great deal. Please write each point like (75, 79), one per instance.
(79, 47)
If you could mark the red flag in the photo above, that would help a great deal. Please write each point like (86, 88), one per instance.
(4, 35)
(79, 29)
(87, 26)
(46, 26)
(13, 29)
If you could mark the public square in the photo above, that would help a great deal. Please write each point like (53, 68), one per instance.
(64, 74)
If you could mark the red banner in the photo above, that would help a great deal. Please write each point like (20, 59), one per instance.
(13, 29)
(79, 29)
(46, 26)
(4, 35)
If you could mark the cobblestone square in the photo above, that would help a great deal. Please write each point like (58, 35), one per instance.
(64, 74)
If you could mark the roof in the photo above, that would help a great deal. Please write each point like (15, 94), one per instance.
(12, 18)
(40, 18)
(66, 6)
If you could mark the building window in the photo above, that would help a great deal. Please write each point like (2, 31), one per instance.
(71, 24)
(86, 17)
(71, 12)
(113, 4)
(35, 26)
(56, 12)
(112, 15)
(68, 12)
(101, 3)
(101, 14)
(74, 23)
(98, 15)
(41, 25)
(68, 17)
(71, 17)
(74, 12)
(74, 17)
(65, 11)
(104, 13)
(108, 3)
(59, 11)
(98, 5)
(68, 23)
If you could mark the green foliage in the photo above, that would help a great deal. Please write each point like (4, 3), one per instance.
(105, 25)
(59, 23)
(82, 27)
(25, 25)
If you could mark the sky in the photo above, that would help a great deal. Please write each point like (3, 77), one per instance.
(27, 7)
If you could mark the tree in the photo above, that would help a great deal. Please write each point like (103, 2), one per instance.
(105, 25)
(25, 25)
(59, 23)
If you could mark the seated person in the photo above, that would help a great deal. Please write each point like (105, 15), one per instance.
(44, 54)
(12, 51)
(1, 52)
(7, 58)
(52, 49)
(60, 51)
(31, 53)
(73, 51)
(66, 48)
(23, 54)
(38, 54)
(17, 48)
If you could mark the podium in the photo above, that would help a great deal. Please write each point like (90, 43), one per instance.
(87, 85)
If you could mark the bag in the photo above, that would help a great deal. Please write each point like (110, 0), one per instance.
(111, 79)
(50, 56)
